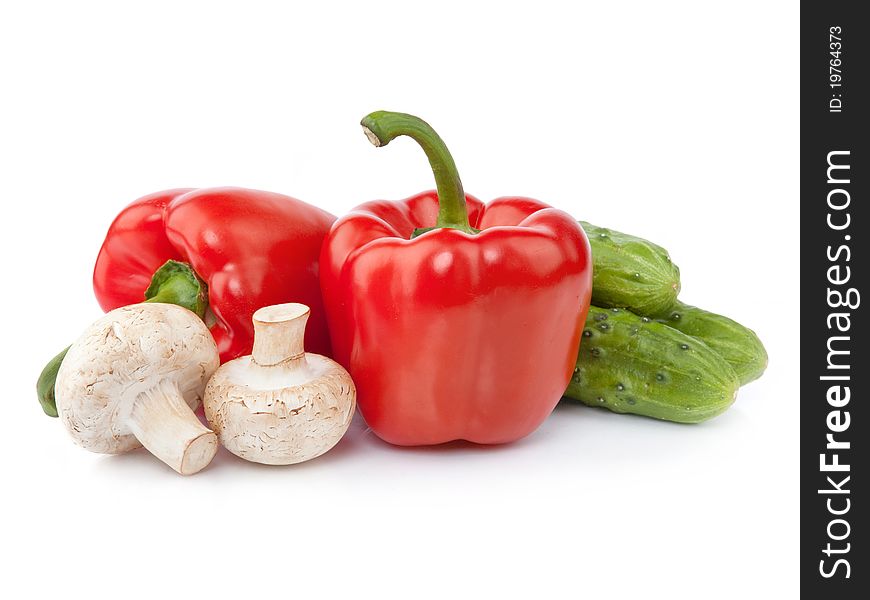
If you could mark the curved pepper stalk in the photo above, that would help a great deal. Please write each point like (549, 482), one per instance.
(381, 127)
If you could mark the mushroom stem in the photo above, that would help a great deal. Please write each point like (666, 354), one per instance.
(163, 422)
(279, 334)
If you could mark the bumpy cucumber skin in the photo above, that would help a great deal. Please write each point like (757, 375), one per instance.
(632, 364)
(630, 272)
(738, 345)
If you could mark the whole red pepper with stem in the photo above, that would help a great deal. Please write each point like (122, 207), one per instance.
(456, 320)
(235, 249)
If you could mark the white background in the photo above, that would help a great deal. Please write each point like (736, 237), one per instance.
(677, 122)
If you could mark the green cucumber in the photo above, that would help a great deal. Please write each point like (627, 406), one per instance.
(630, 272)
(632, 364)
(737, 344)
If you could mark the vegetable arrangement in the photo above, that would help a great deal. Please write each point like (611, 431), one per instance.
(447, 319)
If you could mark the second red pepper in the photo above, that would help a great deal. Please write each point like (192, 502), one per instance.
(456, 320)
(252, 248)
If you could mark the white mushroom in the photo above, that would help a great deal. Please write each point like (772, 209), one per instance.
(280, 406)
(134, 378)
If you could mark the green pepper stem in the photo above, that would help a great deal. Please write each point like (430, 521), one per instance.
(382, 127)
(176, 283)
(173, 283)
(45, 384)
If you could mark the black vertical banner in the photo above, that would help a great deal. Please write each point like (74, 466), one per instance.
(834, 371)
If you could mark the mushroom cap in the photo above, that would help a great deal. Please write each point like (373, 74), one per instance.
(126, 352)
(275, 416)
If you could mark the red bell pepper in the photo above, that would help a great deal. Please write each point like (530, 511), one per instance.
(465, 330)
(252, 249)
